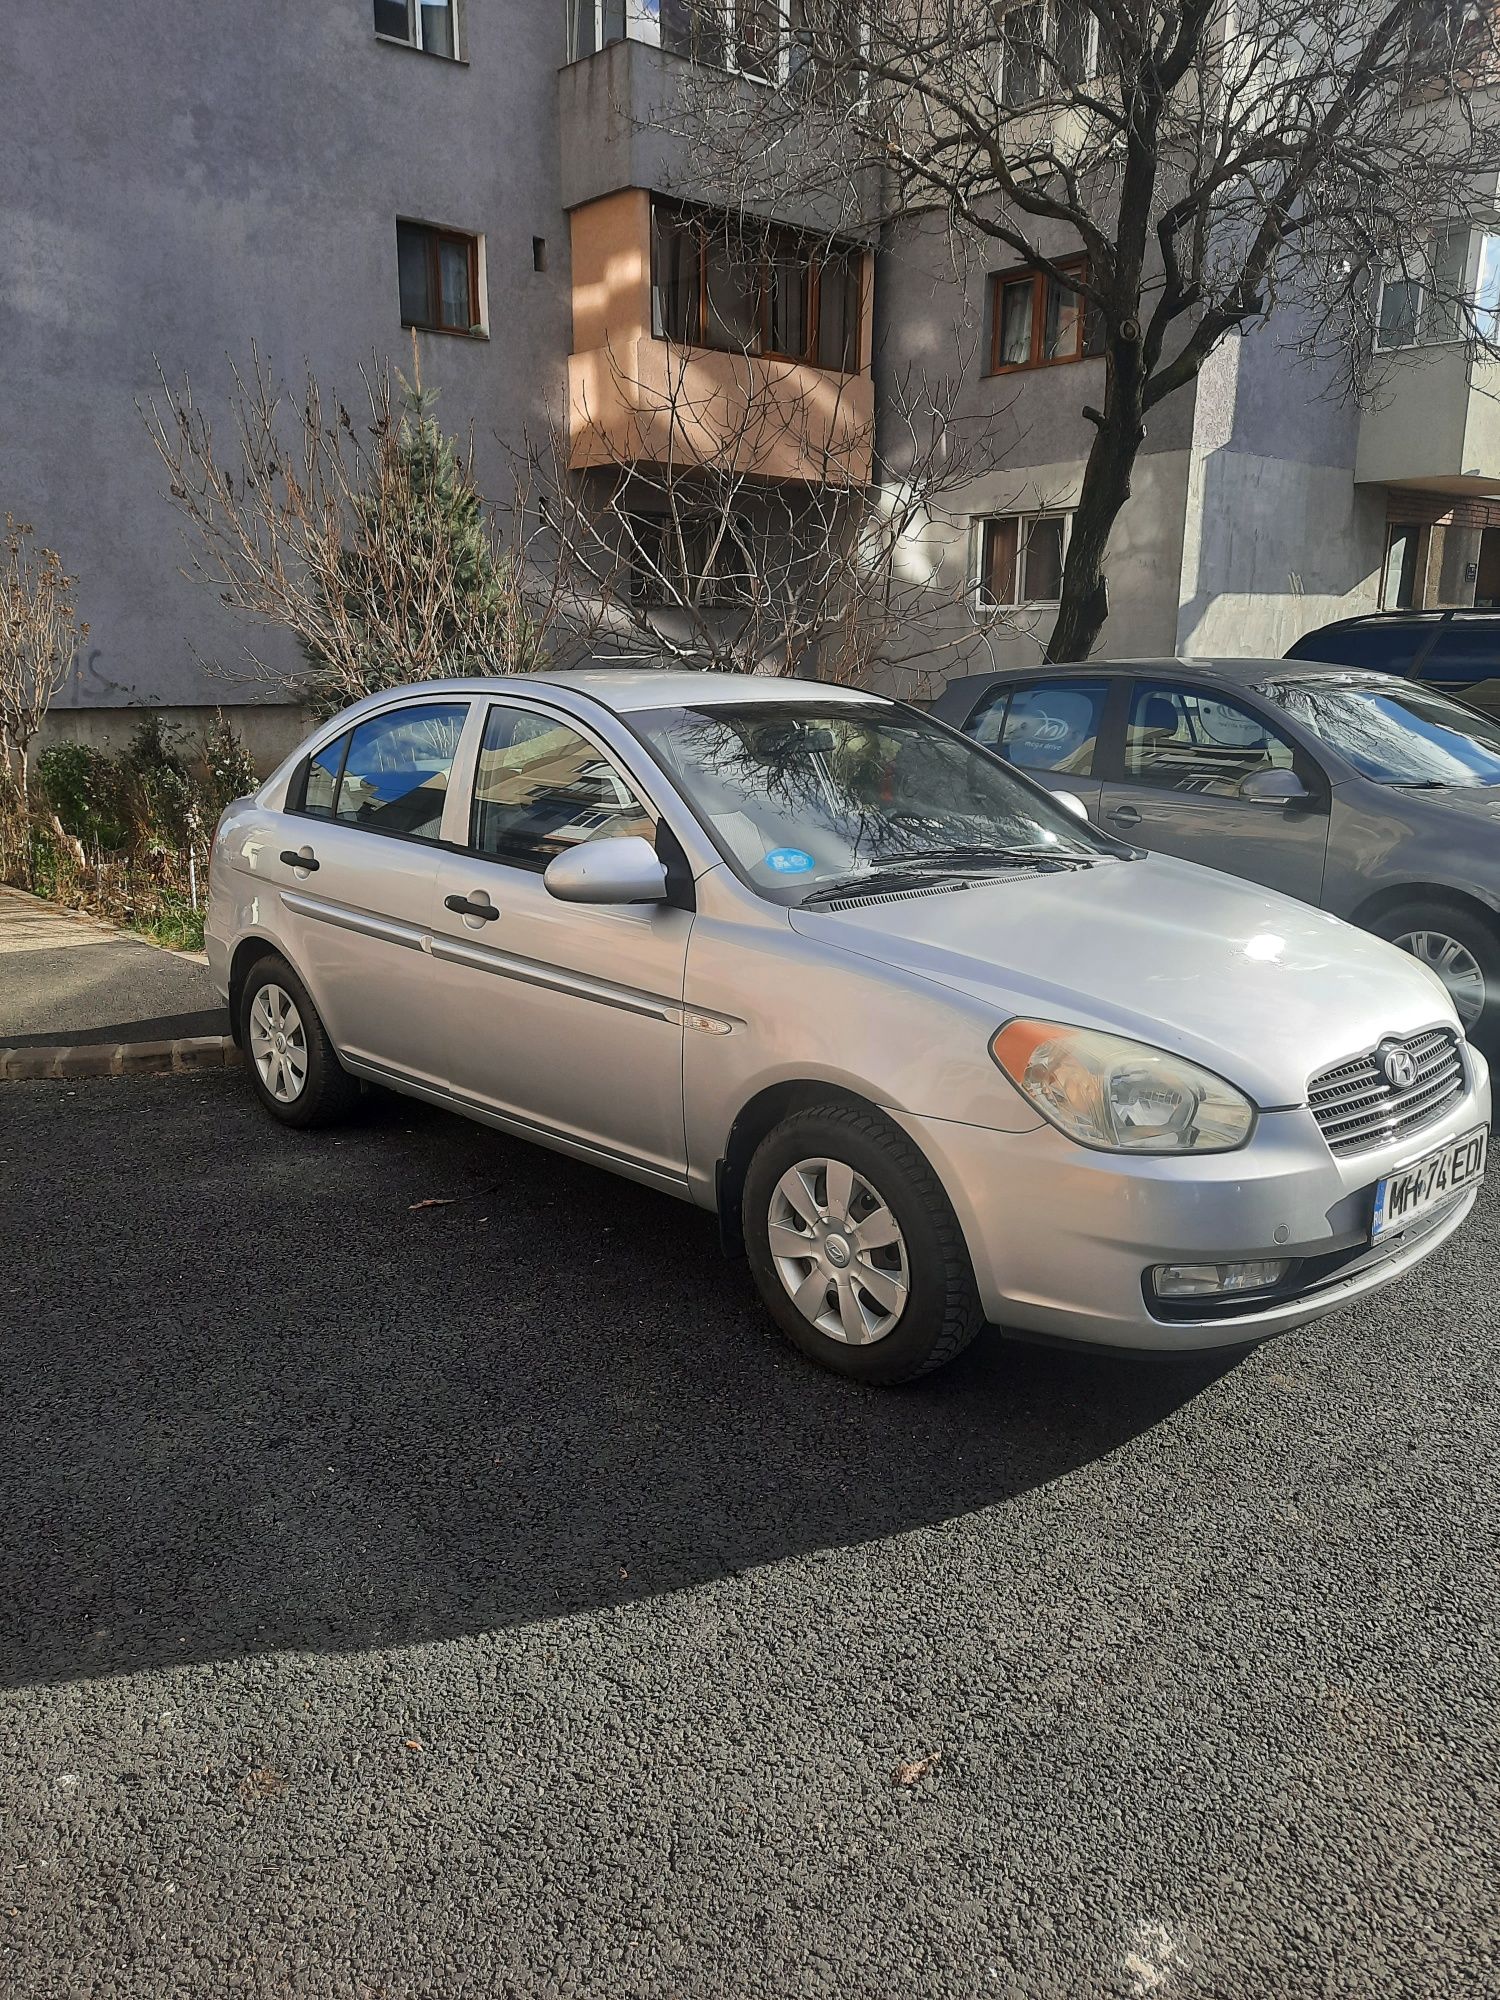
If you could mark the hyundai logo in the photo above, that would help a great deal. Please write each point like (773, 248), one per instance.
(1400, 1066)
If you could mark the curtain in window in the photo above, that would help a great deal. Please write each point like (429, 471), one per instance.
(1001, 542)
(838, 312)
(731, 272)
(437, 28)
(674, 265)
(1062, 321)
(788, 306)
(453, 273)
(1015, 323)
(1044, 560)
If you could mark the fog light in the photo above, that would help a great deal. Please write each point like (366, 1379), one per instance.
(1212, 1281)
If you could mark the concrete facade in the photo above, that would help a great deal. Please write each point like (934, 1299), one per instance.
(211, 181)
(199, 179)
(1248, 523)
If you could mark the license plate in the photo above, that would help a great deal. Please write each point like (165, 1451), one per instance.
(1401, 1198)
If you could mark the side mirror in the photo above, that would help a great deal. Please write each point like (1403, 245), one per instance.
(623, 869)
(1071, 803)
(1274, 788)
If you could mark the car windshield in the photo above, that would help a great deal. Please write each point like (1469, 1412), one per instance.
(1396, 733)
(799, 795)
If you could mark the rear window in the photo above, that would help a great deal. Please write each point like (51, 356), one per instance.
(1384, 647)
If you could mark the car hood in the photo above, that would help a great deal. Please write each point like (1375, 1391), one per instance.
(1261, 989)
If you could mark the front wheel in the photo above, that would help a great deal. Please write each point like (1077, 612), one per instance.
(1461, 948)
(855, 1248)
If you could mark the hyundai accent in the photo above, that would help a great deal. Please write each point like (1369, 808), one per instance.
(938, 1053)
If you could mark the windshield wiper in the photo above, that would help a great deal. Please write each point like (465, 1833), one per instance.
(876, 882)
(1003, 857)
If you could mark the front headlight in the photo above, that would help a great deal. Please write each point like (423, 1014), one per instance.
(1121, 1096)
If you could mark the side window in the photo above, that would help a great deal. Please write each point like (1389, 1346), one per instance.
(1464, 654)
(322, 781)
(988, 720)
(1054, 726)
(541, 788)
(395, 776)
(1182, 741)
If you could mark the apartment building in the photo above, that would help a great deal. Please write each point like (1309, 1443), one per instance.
(324, 184)
(1264, 502)
(501, 183)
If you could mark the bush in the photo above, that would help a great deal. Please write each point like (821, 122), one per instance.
(124, 834)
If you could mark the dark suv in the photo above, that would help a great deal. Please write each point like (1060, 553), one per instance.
(1457, 651)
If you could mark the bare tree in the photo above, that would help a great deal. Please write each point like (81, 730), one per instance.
(40, 634)
(366, 538)
(744, 516)
(1213, 163)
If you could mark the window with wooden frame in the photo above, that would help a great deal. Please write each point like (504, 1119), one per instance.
(429, 25)
(438, 274)
(1038, 322)
(754, 289)
(1021, 559)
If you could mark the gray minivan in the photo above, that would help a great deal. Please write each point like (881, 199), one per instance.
(1365, 794)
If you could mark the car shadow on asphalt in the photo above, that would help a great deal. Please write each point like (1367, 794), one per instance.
(413, 1379)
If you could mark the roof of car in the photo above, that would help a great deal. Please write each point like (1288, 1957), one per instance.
(1244, 673)
(628, 688)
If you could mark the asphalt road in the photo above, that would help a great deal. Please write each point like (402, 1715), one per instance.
(475, 1600)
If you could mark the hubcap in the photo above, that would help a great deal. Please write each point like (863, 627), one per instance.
(1457, 967)
(838, 1251)
(278, 1045)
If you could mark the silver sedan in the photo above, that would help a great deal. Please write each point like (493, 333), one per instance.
(937, 1052)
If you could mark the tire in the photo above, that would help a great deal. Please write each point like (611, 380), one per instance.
(922, 1308)
(1444, 925)
(297, 1078)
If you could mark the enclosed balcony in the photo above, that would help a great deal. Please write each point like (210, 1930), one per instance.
(700, 338)
(1433, 421)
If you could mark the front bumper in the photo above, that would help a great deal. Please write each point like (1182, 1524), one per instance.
(1061, 1237)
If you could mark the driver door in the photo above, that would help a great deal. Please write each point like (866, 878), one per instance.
(1187, 752)
(564, 1017)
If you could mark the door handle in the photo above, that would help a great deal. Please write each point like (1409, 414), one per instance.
(461, 906)
(1124, 816)
(295, 860)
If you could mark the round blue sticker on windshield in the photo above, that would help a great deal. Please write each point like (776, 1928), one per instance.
(789, 861)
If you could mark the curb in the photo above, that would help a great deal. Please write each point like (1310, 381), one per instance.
(188, 1052)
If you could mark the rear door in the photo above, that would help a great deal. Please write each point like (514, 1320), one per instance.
(563, 1016)
(357, 875)
(1187, 751)
(1050, 728)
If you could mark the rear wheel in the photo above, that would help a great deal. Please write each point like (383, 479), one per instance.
(855, 1248)
(1462, 948)
(293, 1068)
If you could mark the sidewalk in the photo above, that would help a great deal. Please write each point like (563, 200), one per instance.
(71, 980)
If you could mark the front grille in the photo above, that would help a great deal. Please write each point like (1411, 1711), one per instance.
(1356, 1108)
